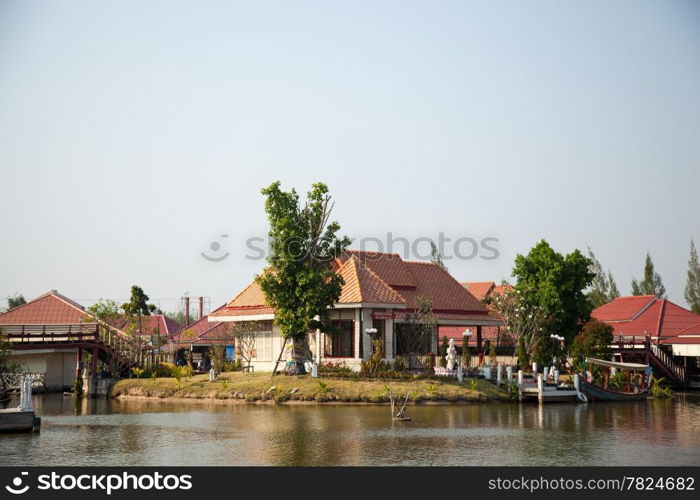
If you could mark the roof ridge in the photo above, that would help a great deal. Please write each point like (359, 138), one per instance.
(680, 332)
(643, 309)
(381, 281)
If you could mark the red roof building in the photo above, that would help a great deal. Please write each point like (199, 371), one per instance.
(52, 308)
(646, 315)
(380, 289)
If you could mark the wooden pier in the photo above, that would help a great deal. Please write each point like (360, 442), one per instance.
(18, 420)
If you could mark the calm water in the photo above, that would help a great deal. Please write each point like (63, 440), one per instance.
(157, 433)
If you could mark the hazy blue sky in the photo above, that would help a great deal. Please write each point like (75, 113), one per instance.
(133, 134)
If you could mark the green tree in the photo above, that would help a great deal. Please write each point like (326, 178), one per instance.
(15, 300)
(603, 287)
(138, 303)
(651, 284)
(613, 292)
(555, 283)
(692, 286)
(7, 365)
(593, 341)
(300, 282)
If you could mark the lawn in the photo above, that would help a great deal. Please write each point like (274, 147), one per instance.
(263, 387)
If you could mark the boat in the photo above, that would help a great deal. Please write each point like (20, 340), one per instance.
(637, 387)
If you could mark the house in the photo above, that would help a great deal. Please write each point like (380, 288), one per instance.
(380, 291)
(668, 333)
(50, 334)
(199, 337)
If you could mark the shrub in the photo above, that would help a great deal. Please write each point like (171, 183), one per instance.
(659, 391)
(137, 371)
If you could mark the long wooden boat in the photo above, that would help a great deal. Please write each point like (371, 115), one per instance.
(596, 392)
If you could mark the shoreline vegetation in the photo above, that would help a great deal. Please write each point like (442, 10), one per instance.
(262, 387)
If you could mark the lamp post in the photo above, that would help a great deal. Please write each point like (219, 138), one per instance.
(371, 332)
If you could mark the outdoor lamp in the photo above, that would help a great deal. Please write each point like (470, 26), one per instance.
(370, 331)
(467, 333)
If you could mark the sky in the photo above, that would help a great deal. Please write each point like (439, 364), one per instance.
(134, 135)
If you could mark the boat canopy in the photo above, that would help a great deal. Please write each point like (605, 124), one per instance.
(615, 364)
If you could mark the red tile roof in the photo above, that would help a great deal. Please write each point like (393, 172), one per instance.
(376, 278)
(646, 315)
(52, 308)
(623, 308)
(203, 331)
(165, 326)
(682, 339)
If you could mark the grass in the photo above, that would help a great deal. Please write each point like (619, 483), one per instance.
(253, 387)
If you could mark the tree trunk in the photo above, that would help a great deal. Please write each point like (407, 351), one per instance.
(297, 356)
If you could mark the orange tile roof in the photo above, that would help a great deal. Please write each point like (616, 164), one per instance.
(479, 289)
(375, 278)
(363, 285)
(52, 308)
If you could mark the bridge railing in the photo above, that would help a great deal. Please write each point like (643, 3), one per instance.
(86, 332)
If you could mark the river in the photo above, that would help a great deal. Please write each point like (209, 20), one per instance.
(120, 433)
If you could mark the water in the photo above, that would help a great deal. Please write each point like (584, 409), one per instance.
(663, 432)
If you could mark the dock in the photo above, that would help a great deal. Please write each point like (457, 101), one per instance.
(543, 392)
(22, 418)
(19, 420)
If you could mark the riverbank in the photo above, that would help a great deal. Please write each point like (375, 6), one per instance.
(261, 387)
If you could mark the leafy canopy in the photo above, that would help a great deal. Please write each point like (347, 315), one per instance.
(692, 286)
(603, 288)
(138, 304)
(555, 283)
(651, 284)
(300, 282)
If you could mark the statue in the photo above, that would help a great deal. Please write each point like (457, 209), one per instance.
(451, 355)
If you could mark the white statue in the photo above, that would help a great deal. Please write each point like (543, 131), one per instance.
(451, 355)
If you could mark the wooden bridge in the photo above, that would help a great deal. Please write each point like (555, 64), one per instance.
(102, 343)
(643, 349)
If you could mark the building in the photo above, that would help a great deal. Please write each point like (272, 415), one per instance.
(380, 290)
(664, 333)
(199, 337)
(481, 290)
(50, 334)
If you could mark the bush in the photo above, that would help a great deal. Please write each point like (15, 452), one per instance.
(659, 391)
(331, 368)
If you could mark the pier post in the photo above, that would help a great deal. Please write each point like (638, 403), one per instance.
(555, 376)
(577, 384)
(520, 385)
(509, 373)
(540, 388)
(545, 370)
(25, 397)
(534, 367)
(499, 374)
(460, 372)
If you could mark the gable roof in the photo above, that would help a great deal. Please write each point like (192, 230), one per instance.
(624, 308)
(377, 278)
(364, 285)
(52, 308)
(646, 315)
(202, 330)
(165, 326)
(479, 289)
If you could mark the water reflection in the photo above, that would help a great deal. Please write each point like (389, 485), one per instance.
(107, 432)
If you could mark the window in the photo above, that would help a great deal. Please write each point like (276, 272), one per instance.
(340, 343)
